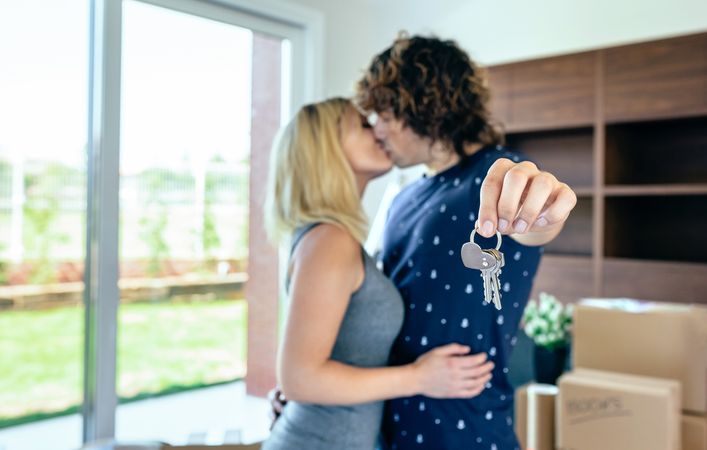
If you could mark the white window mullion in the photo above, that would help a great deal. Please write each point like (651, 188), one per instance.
(101, 293)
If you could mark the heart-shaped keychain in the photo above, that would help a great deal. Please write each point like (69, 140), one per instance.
(475, 258)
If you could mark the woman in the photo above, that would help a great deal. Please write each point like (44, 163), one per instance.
(344, 313)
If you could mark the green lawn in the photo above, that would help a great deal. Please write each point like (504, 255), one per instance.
(161, 347)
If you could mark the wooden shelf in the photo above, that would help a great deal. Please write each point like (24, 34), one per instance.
(545, 93)
(542, 128)
(656, 190)
(663, 78)
(583, 191)
(569, 278)
(626, 127)
(576, 236)
(657, 152)
(656, 117)
(566, 153)
(656, 228)
(655, 280)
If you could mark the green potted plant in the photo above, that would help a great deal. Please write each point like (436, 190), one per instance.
(548, 323)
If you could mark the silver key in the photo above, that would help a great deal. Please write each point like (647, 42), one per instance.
(486, 277)
(489, 262)
(497, 291)
(489, 283)
(495, 274)
(491, 275)
(493, 278)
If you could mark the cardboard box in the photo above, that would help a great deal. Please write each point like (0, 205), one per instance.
(694, 432)
(610, 411)
(535, 416)
(652, 339)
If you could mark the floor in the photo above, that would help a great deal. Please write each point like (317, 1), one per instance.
(215, 415)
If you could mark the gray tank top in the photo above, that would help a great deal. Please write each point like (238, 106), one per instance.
(371, 323)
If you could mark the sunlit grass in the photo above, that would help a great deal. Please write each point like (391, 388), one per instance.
(160, 346)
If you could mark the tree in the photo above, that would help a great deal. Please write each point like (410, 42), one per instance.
(153, 223)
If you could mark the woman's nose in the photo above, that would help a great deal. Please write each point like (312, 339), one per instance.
(379, 130)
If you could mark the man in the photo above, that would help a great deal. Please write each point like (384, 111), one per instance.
(429, 105)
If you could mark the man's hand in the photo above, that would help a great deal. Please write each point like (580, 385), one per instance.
(519, 199)
(277, 404)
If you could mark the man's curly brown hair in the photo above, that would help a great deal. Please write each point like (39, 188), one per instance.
(434, 87)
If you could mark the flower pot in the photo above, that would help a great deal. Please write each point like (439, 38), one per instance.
(549, 363)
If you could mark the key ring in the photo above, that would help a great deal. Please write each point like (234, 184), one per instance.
(498, 237)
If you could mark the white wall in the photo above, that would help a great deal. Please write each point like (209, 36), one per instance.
(501, 31)
(349, 44)
(495, 31)
(492, 31)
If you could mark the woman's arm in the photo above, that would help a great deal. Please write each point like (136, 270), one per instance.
(327, 268)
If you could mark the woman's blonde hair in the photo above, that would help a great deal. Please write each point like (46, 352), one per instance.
(310, 179)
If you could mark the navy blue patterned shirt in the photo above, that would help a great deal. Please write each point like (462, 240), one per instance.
(428, 223)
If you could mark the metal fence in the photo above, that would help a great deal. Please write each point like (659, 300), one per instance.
(179, 212)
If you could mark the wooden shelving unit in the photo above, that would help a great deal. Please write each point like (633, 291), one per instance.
(626, 127)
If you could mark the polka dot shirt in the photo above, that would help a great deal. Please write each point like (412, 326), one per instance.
(428, 223)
